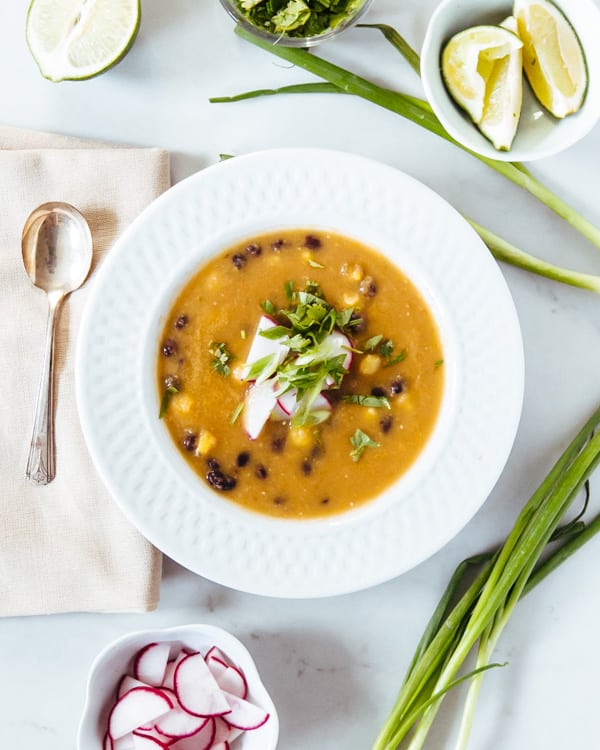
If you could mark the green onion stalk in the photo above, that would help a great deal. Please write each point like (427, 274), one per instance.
(339, 80)
(477, 619)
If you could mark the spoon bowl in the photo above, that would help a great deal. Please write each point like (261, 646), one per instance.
(57, 254)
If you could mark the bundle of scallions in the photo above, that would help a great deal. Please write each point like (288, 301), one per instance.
(339, 80)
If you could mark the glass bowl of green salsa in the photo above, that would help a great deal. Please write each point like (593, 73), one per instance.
(296, 23)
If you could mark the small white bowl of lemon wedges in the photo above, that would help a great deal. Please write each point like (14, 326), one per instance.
(514, 80)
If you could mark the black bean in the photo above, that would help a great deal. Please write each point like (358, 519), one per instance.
(181, 322)
(312, 242)
(254, 249)
(397, 386)
(277, 245)
(261, 471)
(378, 392)
(317, 450)
(386, 423)
(279, 500)
(243, 458)
(368, 287)
(306, 467)
(169, 347)
(220, 481)
(172, 381)
(324, 501)
(213, 464)
(189, 441)
(277, 444)
(238, 260)
(358, 322)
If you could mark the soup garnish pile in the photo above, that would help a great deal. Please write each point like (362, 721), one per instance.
(301, 373)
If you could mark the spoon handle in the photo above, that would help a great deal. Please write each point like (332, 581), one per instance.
(41, 464)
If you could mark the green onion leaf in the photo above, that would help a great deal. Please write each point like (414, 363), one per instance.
(360, 441)
(164, 404)
(221, 357)
(376, 401)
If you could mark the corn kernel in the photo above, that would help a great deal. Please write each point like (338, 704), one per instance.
(350, 298)
(301, 437)
(182, 403)
(206, 442)
(353, 270)
(369, 364)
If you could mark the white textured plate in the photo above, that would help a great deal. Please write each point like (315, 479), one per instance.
(483, 367)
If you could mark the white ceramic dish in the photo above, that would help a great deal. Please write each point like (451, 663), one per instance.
(539, 134)
(118, 346)
(116, 659)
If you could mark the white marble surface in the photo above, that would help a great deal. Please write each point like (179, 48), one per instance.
(333, 665)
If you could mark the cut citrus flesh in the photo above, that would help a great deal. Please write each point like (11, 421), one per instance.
(78, 39)
(553, 59)
(482, 70)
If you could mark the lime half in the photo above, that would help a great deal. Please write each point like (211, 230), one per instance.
(553, 60)
(77, 39)
(482, 70)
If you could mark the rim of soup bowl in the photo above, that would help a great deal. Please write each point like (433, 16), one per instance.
(112, 662)
(403, 485)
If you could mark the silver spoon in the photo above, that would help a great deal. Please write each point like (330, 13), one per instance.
(57, 254)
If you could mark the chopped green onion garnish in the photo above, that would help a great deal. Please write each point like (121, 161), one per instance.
(236, 413)
(221, 358)
(360, 440)
(164, 404)
(376, 401)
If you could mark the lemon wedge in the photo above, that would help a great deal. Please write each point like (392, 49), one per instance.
(482, 70)
(553, 59)
(78, 39)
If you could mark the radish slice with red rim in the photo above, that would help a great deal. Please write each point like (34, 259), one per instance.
(202, 740)
(127, 683)
(224, 732)
(232, 681)
(143, 741)
(262, 347)
(243, 714)
(150, 663)
(137, 708)
(197, 690)
(260, 400)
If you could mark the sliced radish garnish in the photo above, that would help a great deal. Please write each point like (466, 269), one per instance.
(220, 746)
(232, 681)
(262, 347)
(124, 743)
(107, 743)
(137, 708)
(178, 723)
(286, 405)
(201, 740)
(216, 666)
(224, 732)
(243, 714)
(197, 690)
(150, 663)
(218, 654)
(128, 683)
(142, 741)
(171, 667)
(260, 400)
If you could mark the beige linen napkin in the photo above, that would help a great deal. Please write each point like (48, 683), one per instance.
(64, 547)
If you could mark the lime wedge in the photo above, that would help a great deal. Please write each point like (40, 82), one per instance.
(482, 70)
(553, 59)
(77, 39)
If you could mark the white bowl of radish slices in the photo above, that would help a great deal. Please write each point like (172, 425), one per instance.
(194, 687)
